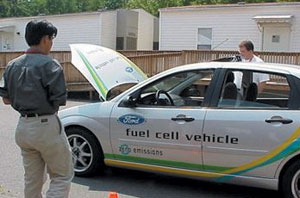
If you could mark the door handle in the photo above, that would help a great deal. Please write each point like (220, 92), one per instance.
(279, 119)
(183, 118)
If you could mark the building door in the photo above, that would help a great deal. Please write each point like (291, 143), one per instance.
(276, 38)
(6, 41)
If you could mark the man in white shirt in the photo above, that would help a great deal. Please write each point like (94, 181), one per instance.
(246, 49)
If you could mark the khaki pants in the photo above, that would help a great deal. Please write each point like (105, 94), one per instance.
(44, 144)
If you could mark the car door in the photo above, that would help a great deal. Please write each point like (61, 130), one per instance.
(158, 133)
(248, 132)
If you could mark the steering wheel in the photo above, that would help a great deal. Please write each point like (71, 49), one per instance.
(157, 94)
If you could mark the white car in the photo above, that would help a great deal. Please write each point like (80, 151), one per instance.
(214, 121)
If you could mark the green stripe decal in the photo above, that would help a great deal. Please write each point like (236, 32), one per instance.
(101, 86)
(172, 164)
(291, 149)
(287, 148)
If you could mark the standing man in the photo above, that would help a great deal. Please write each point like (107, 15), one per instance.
(34, 85)
(246, 49)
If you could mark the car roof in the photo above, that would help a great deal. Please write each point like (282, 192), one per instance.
(273, 67)
(269, 67)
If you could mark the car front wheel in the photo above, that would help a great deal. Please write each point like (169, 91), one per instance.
(86, 151)
(290, 184)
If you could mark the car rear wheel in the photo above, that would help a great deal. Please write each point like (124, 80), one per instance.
(86, 151)
(290, 184)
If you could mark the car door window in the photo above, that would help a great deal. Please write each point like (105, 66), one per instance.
(182, 89)
(249, 89)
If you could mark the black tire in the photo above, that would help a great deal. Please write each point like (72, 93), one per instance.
(95, 163)
(288, 178)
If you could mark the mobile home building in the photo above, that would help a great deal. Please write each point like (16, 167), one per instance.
(271, 27)
(99, 28)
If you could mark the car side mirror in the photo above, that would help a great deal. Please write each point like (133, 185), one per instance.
(130, 101)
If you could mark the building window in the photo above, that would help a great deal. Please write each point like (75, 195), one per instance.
(155, 45)
(204, 38)
(276, 39)
(131, 43)
(120, 43)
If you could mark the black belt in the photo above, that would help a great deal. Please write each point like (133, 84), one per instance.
(31, 115)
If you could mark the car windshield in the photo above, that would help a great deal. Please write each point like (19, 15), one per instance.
(168, 84)
(118, 90)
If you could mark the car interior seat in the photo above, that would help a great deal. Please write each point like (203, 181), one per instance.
(230, 78)
(230, 91)
(251, 92)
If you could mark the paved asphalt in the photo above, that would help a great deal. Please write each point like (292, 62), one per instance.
(127, 183)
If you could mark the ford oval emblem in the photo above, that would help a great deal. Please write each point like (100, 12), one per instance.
(131, 119)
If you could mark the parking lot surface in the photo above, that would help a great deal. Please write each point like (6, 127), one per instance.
(127, 183)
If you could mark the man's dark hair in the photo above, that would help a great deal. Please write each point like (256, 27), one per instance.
(36, 30)
(248, 45)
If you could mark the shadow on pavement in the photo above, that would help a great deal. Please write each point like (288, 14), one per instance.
(148, 185)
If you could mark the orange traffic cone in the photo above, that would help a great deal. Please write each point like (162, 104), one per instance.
(113, 195)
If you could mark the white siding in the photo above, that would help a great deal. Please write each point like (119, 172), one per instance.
(76, 29)
(127, 23)
(18, 40)
(127, 27)
(99, 28)
(145, 30)
(72, 28)
(109, 29)
(179, 28)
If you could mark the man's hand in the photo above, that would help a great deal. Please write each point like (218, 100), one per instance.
(6, 101)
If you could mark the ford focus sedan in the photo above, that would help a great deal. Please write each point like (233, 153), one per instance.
(231, 122)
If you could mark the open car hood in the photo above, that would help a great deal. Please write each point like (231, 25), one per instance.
(104, 68)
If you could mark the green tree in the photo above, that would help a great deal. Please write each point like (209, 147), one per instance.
(13, 8)
(37, 7)
(94, 5)
(153, 6)
(18, 8)
(61, 6)
(4, 8)
(82, 5)
(114, 4)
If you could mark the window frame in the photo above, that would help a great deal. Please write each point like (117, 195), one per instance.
(197, 36)
(294, 94)
(206, 100)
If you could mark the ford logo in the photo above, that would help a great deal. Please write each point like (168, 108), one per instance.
(131, 119)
